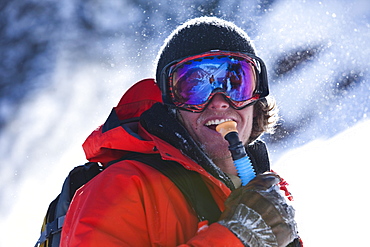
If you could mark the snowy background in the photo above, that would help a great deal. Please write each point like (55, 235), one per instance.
(65, 64)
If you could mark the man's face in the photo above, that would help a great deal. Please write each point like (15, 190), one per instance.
(201, 126)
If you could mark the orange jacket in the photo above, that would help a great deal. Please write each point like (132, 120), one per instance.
(130, 203)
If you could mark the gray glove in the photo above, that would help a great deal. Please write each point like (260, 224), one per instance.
(259, 215)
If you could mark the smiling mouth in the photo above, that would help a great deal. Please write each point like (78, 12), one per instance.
(213, 123)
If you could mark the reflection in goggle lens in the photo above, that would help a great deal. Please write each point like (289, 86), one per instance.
(194, 81)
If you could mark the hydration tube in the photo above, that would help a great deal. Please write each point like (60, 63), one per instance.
(241, 160)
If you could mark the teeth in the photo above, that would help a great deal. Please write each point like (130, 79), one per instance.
(217, 121)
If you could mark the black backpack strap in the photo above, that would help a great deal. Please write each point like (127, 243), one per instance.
(189, 182)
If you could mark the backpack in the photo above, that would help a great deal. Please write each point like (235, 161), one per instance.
(189, 182)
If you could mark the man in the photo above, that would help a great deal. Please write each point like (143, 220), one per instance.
(207, 73)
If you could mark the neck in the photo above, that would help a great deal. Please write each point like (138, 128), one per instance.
(226, 165)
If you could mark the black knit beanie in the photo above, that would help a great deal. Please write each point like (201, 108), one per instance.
(202, 35)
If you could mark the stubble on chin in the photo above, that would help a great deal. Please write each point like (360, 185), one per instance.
(217, 155)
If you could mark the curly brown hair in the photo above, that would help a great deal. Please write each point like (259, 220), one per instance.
(265, 118)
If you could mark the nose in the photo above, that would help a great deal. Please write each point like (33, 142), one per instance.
(218, 102)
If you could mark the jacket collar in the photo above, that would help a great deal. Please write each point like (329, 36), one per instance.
(160, 122)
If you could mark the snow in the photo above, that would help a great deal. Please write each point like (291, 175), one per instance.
(324, 101)
(328, 180)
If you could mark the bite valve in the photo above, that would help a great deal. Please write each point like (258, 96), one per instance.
(241, 160)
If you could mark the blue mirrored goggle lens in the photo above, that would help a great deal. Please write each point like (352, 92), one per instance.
(194, 81)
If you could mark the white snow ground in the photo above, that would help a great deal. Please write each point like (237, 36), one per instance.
(329, 179)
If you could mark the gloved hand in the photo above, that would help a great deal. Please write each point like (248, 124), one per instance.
(259, 215)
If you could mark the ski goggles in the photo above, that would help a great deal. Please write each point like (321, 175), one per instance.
(190, 83)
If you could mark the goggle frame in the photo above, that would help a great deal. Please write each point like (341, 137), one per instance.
(261, 90)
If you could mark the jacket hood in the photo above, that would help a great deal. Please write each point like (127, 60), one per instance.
(117, 135)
